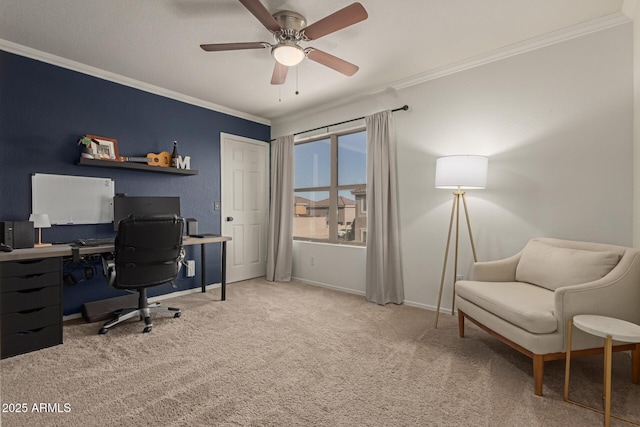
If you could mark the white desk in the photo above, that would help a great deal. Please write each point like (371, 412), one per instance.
(610, 329)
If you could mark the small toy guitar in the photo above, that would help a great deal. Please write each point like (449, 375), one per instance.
(162, 159)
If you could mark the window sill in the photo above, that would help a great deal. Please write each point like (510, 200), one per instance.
(321, 242)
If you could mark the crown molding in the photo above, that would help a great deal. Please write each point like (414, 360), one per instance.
(125, 81)
(629, 8)
(555, 37)
(524, 46)
(545, 40)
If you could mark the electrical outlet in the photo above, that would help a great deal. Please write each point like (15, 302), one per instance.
(312, 261)
(459, 277)
(191, 268)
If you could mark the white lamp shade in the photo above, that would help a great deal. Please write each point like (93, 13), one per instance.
(40, 220)
(288, 54)
(462, 172)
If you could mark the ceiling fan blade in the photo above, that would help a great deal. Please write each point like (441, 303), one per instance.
(279, 74)
(328, 60)
(343, 18)
(218, 47)
(264, 16)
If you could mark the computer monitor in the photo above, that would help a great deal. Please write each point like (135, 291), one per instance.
(123, 206)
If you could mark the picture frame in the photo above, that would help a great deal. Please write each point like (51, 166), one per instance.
(104, 148)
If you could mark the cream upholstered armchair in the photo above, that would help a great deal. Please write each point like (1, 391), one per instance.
(526, 300)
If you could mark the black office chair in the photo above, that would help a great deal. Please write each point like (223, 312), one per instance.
(148, 252)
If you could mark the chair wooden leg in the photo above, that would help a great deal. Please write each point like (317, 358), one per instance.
(461, 323)
(538, 373)
(635, 365)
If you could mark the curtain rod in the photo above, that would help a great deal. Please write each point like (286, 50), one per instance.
(403, 108)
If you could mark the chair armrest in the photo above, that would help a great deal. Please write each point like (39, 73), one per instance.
(109, 268)
(502, 270)
(616, 295)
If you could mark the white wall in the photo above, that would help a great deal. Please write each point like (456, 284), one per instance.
(636, 127)
(338, 267)
(557, 125)
(632, 10)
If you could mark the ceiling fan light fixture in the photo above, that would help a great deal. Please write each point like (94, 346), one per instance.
(290, 28)
(288, 54)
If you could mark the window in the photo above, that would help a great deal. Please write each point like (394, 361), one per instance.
(330, 189)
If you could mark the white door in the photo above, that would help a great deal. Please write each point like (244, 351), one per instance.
(245, 209)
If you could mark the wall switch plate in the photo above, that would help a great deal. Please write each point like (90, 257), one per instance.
(216, 206)
(312, 261)
(191, 268)
(459, 277)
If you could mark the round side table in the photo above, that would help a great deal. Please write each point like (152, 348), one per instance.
(610, 329)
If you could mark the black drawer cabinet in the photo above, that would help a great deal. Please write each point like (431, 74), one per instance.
(30, 305)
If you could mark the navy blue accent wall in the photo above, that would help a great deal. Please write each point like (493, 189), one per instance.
(45, 109)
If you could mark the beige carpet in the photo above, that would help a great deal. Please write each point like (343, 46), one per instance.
(290, 354)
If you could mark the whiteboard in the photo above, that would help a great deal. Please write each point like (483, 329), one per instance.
(73, 199)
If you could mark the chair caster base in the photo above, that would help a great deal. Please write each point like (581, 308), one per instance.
(144, 314)
(148, 325)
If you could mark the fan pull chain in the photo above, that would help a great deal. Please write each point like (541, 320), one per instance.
(280, 85)
(297, 92)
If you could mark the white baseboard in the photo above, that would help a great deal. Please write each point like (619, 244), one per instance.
(443, 310)
(420, 305)
(353, 291)
(325, 285)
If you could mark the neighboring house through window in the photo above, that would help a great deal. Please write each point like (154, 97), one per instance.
(330, 203)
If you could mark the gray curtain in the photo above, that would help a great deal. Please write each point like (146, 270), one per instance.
(280, 241)
(384, 270)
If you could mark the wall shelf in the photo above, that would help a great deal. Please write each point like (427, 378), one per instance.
(135, 166)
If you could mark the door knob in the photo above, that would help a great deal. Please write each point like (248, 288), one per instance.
(229, 218)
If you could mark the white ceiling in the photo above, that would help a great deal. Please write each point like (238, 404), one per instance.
(157, 42)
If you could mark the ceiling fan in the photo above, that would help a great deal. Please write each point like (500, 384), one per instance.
(289, 29)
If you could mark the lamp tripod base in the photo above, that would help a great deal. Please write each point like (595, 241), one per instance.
(455, 212)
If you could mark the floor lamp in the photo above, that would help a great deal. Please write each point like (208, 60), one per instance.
(458, 172)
